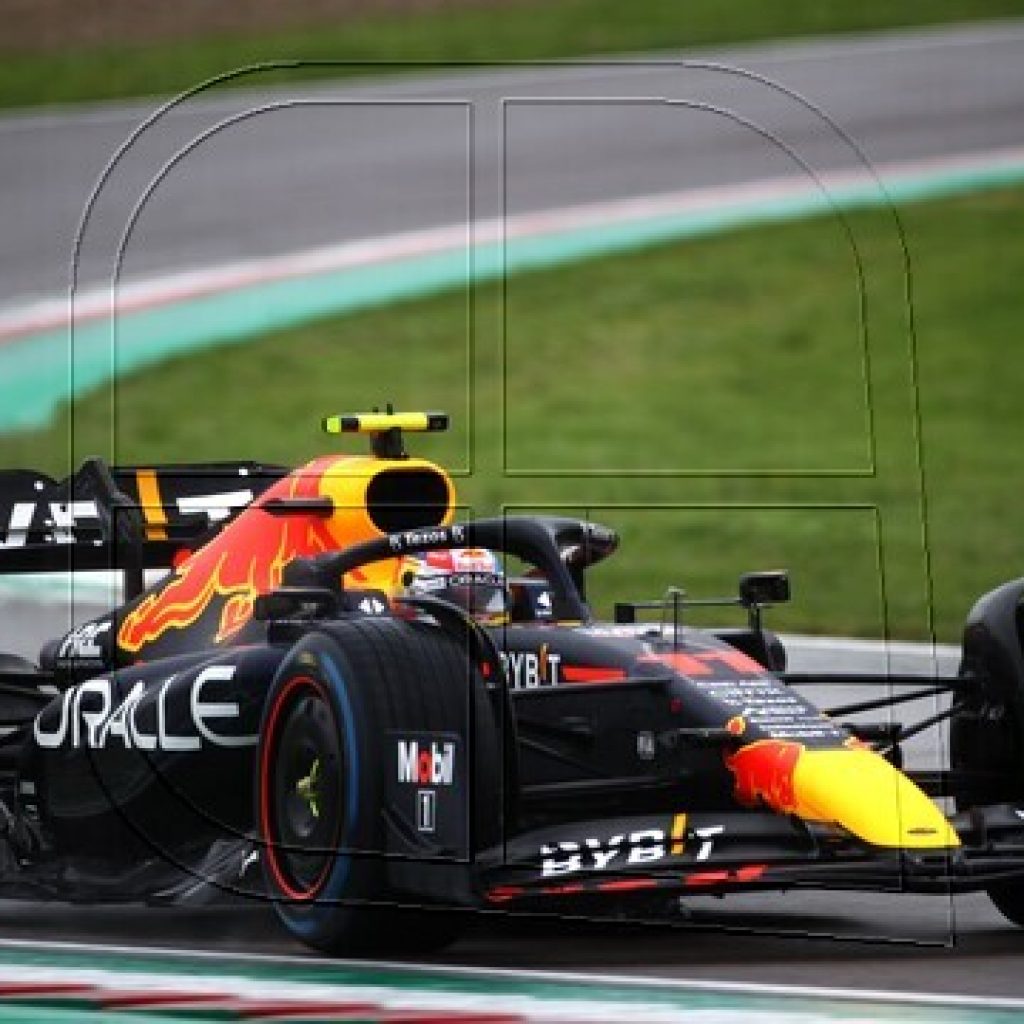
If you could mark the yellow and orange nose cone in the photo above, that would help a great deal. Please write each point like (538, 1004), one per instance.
(852, 787)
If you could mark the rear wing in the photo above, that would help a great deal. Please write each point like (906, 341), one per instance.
(128, 518)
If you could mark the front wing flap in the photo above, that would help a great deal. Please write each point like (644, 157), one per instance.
(740, 851)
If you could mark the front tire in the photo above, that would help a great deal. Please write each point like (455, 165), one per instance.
(322, 793)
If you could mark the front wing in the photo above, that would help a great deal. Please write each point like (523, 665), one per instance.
(680, 854)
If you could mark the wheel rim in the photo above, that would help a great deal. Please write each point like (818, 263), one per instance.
(302, 798)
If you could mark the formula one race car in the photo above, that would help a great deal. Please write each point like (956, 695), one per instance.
(286, 714)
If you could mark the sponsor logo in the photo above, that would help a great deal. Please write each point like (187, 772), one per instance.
(421, 538)
(452, 536)
(58, 519)
(90, 718)
(473, 579)
(81, 644)
(526, 670)
(426, 810)
(425, 787)
(643, 846)
(424, 765)
(646, 846)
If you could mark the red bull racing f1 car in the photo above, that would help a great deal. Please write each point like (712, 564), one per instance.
(286, 714)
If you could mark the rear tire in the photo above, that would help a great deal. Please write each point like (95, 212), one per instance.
(322, 796)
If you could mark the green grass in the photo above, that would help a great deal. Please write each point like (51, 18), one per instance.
(731, 373)
(533, 31)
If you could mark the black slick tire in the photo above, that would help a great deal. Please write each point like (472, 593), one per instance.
(326, 750)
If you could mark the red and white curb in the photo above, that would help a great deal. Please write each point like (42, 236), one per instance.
(244, 998)
(418, 997)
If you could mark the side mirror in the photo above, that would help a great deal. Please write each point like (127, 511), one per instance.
(764, 588)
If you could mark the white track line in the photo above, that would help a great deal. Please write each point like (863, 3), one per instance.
(166, 289)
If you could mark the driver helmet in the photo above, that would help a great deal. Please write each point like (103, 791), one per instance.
(471, 578)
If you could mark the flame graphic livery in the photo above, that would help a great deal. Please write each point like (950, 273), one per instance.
(766, 771)
(245, 559)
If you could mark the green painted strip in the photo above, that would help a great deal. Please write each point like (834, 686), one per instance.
(37, 376)
(23, 1013)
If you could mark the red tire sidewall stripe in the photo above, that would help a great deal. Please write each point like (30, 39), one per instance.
(269, 739)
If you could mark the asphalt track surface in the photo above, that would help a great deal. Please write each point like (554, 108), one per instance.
(406, 154)
(286, 169)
